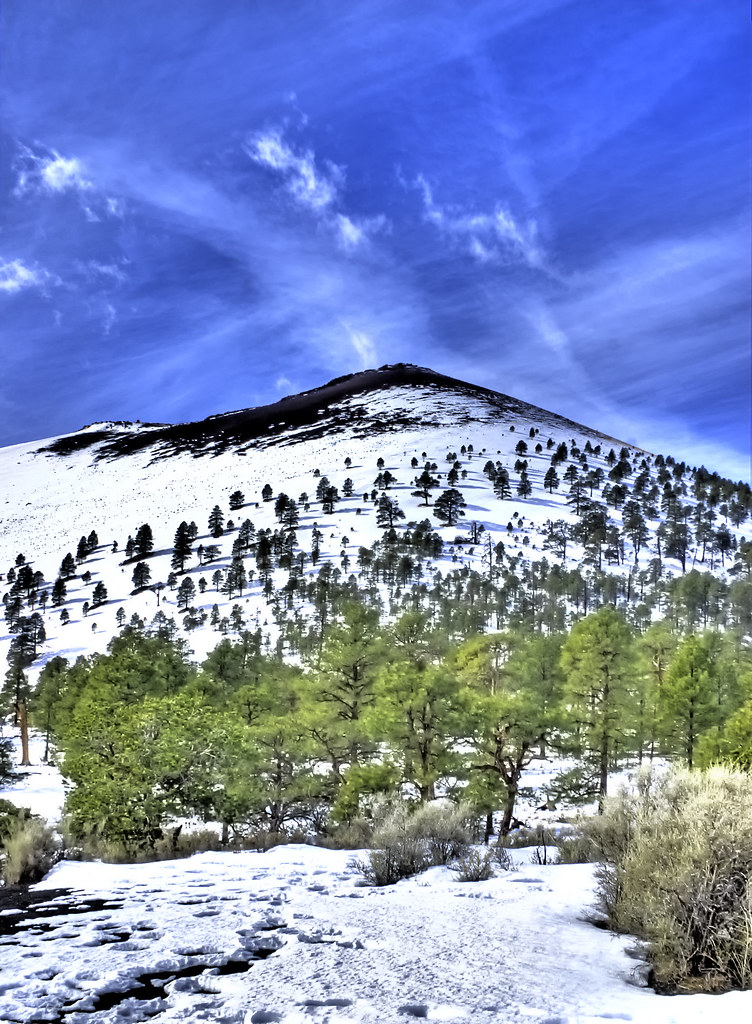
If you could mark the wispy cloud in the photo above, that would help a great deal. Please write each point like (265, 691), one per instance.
(316, 186)
(487, 237)
(109, 319)
(362, 345)
(51, 172)
(96, 271)
(47, 172)
(15, 276)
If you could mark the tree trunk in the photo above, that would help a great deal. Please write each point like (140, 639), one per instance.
(506, 821)
(24, 727)
(489, 830)
(603, 782)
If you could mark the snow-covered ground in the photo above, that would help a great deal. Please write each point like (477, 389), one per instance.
(53, 500)
(516, 948)
(292, 935)
(39, 786)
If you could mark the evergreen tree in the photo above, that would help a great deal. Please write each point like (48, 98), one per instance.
(598, 660)
(501, 485)
(216, 521)
(186, 592)
(524, 487)
(329, 499)
(513, 688)
(425, 483)
(59, 592)
(237, 500)
(141, 575)
(449, 506)
(688, 702)
(144, 543)
(419, 707)
(99, 595)
(388, 513)
(181, 548)
(68, 567)
(551, 480)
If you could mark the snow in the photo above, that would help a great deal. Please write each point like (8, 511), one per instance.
(39, 787)
(518, 947)
(51, 501)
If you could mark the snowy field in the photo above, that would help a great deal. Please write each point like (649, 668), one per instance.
(293, 936)
(51, 501)
(515, 948)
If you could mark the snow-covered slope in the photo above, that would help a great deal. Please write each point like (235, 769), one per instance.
(290, 936)
(113, 477)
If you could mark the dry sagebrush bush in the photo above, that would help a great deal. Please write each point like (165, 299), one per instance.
(30, 851)
(405, 844)
(676, 865)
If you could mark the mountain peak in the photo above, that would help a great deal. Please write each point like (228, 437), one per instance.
(411, 396)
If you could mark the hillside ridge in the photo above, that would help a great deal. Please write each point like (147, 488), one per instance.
(302, 412)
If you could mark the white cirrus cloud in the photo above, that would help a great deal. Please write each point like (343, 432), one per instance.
(94, 270)
(47, 172)
(15, 276)
(50, 172)
(315, 186)
(487, 237)
(310, 186)
(362, 344)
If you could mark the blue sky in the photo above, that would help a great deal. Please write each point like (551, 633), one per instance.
(205, 206)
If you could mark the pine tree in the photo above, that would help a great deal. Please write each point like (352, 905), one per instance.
(141, 575)
(501, 484)
(237, 500)
(68, 567)
(388, 513)
(449, 506)
(82, 550)
(329, 499)
(186, 592)
(424, 484)
(524, 487)
(599, 662)
(99, 594)
(59, 592)
(144, 543)
(181, 548)
(216, 522)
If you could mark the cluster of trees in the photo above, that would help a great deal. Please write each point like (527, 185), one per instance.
(252, 741)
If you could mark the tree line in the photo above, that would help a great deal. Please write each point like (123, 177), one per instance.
(255, 742)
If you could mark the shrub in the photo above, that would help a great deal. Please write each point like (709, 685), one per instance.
(444, 831)
(474, 866)
(30, 852)
(575, 848)
(405, 844)
(677, 858)
(502, 858)
(11, 817)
